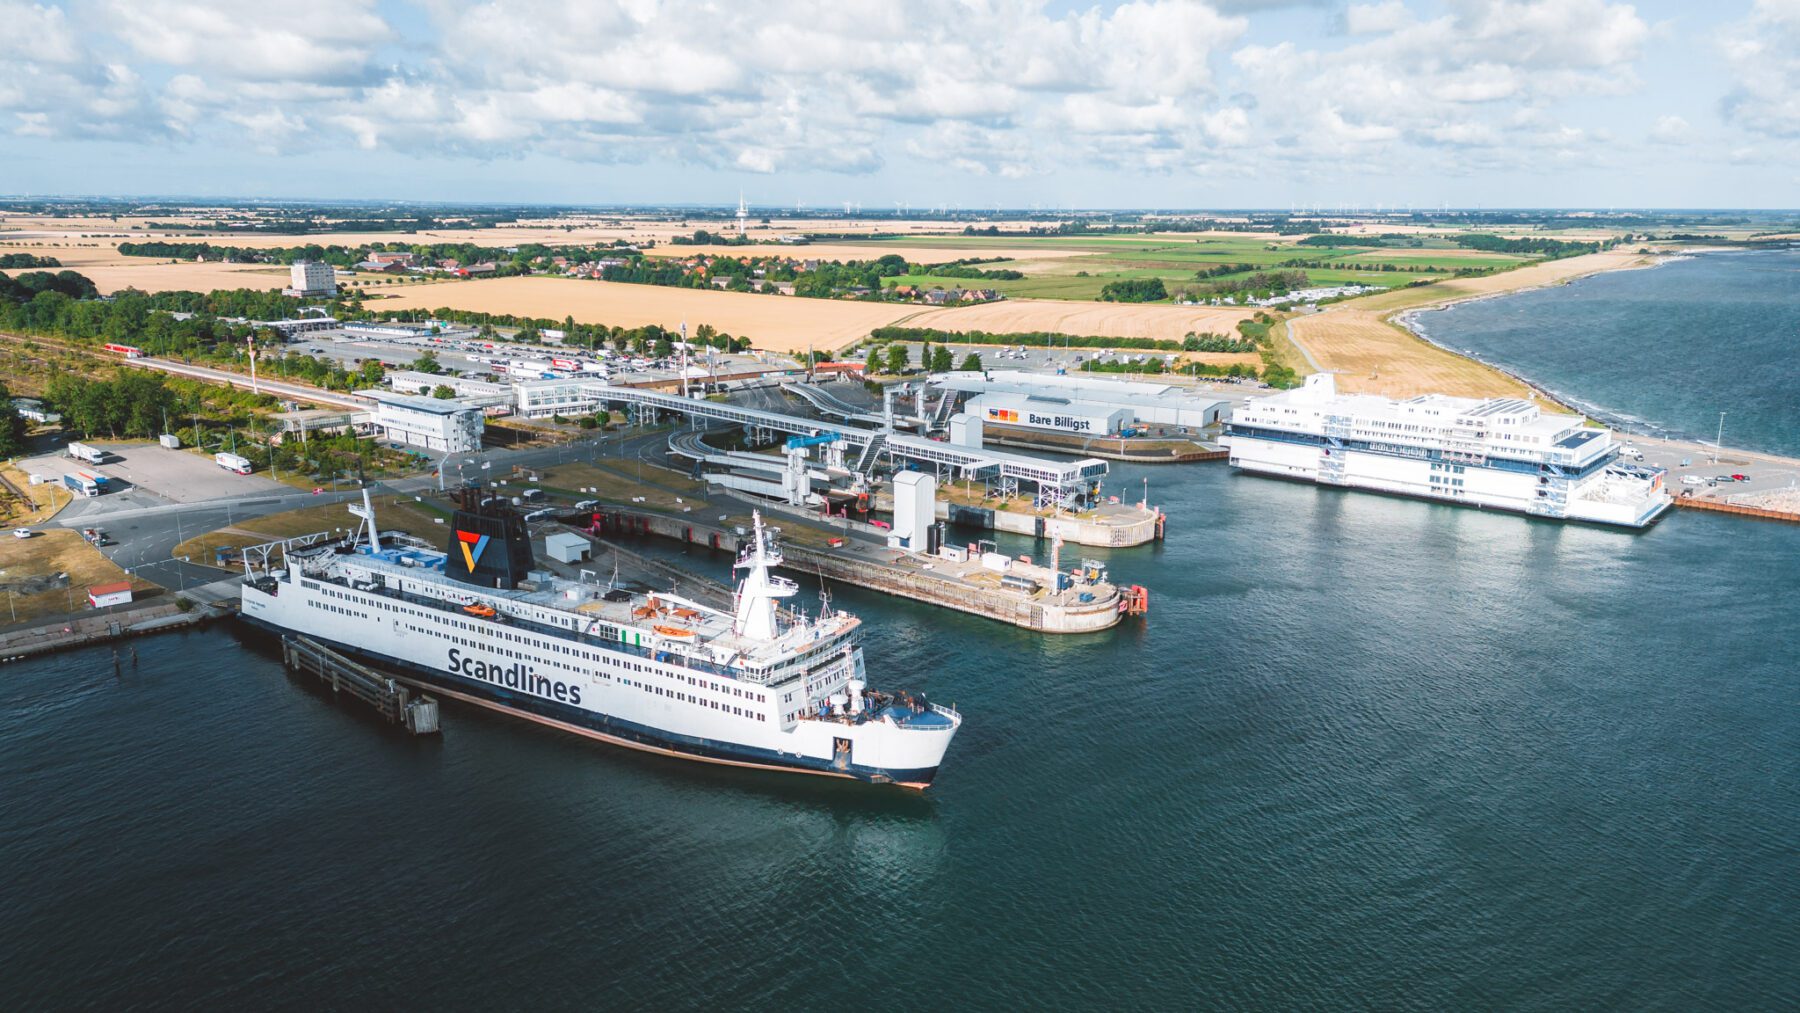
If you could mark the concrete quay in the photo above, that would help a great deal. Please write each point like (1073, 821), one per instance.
(965, 587)
(207, 603)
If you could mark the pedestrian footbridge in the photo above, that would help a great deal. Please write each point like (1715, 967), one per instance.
(1061, 480)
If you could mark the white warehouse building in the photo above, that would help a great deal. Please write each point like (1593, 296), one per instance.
(1149, 404)
(1050, 414)
(427, 423)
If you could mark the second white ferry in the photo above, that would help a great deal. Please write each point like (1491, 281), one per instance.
(754, 687)
(1499, 453)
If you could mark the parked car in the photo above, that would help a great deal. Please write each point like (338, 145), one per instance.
(23, 532)
(1690, 480)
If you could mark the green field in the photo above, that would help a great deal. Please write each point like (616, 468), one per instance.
(1094, 261)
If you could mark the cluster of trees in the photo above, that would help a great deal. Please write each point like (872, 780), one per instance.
(702, 237)
(1035, 339)
(965, 268)
(1359, 265)
(12, 427)
(1550, 249)
(1385, 239)
(827, 280)
(897, 358)
(507, 260)
(637, 340)
(327, 373)
(652, 271)
(1216, 343)
(1134, 290)
(25, 261)
(64, 305)
(1257, 285)
(133, 403)
(27, 287)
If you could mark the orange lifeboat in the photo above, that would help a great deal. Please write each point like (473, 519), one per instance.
(673, 631)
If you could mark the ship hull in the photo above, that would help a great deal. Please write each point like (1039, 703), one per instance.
(607, 728)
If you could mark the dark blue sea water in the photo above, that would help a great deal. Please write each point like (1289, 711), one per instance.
(1662, 350)
(1365, 753)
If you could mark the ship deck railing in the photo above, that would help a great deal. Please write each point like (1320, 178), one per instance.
(532, 626)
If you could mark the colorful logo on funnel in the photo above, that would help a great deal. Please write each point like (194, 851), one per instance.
(472, 545)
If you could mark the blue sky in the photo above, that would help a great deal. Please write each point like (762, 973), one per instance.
(1236, 103)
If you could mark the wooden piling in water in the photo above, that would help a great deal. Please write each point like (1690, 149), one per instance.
(391, 698)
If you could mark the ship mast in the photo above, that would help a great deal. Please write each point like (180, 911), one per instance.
(756, 596)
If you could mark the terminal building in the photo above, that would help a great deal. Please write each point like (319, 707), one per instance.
(309, 278)
(426, 422)
(1145, 404)
(541, 399)
(1051, 414)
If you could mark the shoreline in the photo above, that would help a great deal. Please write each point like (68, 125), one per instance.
(1407, 320)
(1674, 443)
(1613, 418)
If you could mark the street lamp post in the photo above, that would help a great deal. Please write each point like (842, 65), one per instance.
(1720, 441)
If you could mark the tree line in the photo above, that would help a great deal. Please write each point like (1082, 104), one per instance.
(19, 261)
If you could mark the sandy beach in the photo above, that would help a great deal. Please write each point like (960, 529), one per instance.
(1366, 343)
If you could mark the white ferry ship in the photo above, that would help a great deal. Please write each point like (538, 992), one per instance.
(756, 687)
(1498, 453)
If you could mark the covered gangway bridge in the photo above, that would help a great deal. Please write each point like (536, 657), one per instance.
(1056, 482)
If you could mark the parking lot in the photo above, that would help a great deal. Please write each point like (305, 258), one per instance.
(453, 355)
(177, 476)
(1764, 474)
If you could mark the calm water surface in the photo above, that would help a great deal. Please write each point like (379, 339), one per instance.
(1365, 752)
(1662, 350)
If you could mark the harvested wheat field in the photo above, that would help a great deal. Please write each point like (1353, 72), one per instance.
(1356, 339)
(1114, 320)
(1372, 356)
(771, 322)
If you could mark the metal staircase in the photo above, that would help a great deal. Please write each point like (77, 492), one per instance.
(945, 409)
(871, 453)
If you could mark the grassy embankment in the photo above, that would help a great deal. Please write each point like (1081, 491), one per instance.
(29, 569)
(34, 504)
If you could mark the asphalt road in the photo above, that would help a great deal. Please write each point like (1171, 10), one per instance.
(146, 527)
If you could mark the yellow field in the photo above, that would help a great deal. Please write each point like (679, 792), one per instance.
(1356, 339)
(1118, 320)
(771, 322)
